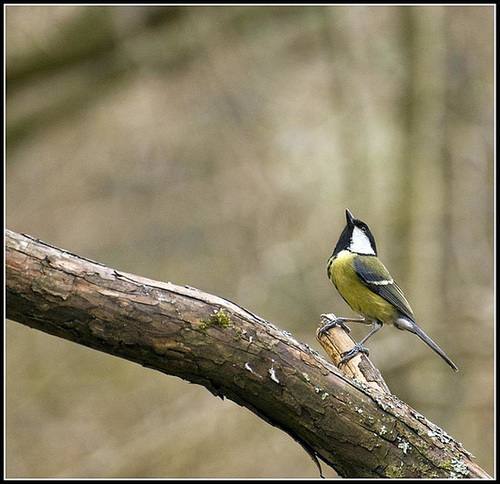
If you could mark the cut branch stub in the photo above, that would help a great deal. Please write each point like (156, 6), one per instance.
(337, 341)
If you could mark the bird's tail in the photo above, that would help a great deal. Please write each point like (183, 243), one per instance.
(420, 333)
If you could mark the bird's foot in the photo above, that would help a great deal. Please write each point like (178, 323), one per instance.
(331, 321)
(348, 355)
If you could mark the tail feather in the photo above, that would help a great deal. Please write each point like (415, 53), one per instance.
(420, 333)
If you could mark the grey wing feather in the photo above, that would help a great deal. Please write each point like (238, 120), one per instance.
(381, 283)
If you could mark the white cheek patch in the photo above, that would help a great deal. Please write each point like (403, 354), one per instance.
(360, 243)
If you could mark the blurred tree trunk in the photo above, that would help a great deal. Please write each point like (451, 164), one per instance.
(207, 340)
(425, 132)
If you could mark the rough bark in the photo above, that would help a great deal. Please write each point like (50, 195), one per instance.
(358, 430)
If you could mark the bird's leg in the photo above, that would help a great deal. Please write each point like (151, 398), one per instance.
(331, 321)
(359, 348)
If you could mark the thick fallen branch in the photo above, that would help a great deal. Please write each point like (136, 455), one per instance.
(357, 429)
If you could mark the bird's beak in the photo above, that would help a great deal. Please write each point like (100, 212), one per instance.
(349, 217)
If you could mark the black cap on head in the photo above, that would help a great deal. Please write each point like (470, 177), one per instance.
(344, 241)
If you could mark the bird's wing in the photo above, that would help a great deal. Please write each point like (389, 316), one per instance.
(378, 279)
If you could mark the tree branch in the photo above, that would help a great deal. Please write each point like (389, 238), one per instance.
(358, 430)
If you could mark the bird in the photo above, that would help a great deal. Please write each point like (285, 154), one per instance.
(369, 289)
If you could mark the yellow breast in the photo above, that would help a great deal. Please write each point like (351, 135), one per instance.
(359, 297)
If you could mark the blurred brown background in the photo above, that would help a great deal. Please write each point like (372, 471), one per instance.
(219, 147)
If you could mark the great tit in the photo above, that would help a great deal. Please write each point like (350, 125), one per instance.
(366, 285)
